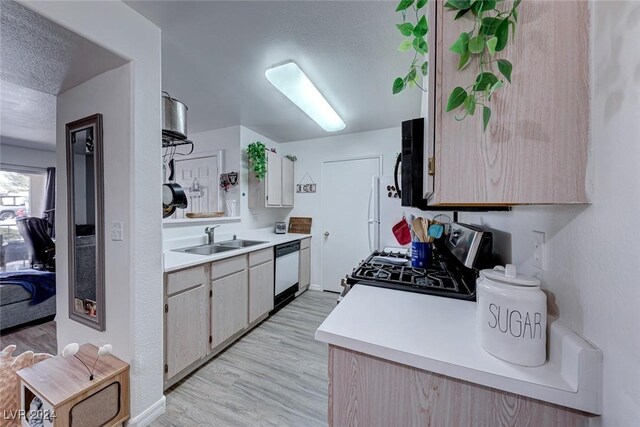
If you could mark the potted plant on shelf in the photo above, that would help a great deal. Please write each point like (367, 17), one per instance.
(257, 159)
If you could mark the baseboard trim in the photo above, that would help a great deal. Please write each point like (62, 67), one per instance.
(149, 414)
(314, 287)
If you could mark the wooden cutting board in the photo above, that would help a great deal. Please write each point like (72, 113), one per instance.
(300, 225)
(204, 214)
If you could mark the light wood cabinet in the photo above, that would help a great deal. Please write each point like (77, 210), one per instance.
(229, 306)
(276, 190)
(287, 182)
(305, 267)
(535, 148)
(369, 391)
(209, 306)
(261, 291)
(273, 183)
(186, 319)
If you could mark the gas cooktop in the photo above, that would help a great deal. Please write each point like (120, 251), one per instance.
(389, 270)
(452, 273)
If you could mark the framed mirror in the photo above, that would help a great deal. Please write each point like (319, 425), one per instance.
(85, 210)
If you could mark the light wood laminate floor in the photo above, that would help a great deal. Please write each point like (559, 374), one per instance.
(276, 375)
(39, 338)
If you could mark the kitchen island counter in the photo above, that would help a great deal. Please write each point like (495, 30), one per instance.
(440, 335)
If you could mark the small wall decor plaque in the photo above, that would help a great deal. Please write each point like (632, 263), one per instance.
(309, 187)
(228, 180)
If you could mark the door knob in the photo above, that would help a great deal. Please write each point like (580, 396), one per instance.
(326, 234)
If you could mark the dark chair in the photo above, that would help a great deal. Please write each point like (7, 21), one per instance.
(42, 250)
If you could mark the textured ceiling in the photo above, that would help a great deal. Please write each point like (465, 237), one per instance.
(27, 117)
(214, 55)
(39, 54)
(38, 60)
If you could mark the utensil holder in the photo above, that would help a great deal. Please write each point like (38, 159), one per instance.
(420, 254)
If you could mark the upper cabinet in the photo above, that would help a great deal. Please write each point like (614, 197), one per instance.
(535, 148)
(287, 182)
(273, 180)
(277, 188)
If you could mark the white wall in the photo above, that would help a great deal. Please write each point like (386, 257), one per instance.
(228, 140)
(14, 157)
(592, 251)
(257, 217)
(234, 141)
(108, 95)
(117, 27)
(312, 153)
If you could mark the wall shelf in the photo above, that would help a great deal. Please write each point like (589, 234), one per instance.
(199, 221)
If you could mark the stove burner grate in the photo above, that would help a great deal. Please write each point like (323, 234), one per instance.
(391, 272)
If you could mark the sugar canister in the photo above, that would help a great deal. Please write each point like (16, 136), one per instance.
(512, 316)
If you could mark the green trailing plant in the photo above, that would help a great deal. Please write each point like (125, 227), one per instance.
(488, 37)
(414, 28)
(256, 153)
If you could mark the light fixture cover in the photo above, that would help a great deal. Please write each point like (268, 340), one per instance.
(289, 79)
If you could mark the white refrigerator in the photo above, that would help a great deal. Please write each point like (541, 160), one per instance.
(385, 210)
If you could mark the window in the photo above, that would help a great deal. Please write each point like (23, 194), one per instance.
(21, 194)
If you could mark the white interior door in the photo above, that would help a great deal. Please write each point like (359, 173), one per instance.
(204, 198)
(345, 207)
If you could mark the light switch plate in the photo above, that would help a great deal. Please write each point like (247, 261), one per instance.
(117, 234)
(539, 250)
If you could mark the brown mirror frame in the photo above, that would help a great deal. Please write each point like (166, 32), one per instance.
(94, 122)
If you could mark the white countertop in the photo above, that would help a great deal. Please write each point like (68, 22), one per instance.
(440, 335)
(178, 260)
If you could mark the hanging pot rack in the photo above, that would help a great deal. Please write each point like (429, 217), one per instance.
(170, 145)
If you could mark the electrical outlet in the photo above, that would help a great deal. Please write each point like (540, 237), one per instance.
(539, 250)
(116, 231)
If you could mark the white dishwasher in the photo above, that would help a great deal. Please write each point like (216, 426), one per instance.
(287, 268)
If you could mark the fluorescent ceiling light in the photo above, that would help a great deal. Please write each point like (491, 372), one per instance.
(289, 79)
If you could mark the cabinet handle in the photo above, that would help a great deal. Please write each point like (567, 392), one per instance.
(326, 234)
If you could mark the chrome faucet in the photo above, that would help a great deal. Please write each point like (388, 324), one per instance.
(210, 232)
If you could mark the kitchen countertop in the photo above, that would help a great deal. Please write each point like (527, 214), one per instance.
(440, 335)
(178, 260)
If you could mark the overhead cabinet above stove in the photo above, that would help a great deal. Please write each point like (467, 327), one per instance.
(535, 149)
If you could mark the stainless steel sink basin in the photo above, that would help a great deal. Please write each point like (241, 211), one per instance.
(239, 243)
(206, 249)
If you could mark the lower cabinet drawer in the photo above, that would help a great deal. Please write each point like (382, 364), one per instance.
(228, 266)
(260, 257)
(305, 243)
(185, 279)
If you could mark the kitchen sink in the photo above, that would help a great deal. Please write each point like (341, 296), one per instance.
(239, 243)
(206, 249)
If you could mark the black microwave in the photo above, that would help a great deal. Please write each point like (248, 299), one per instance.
(410, 169)
(410, 165)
